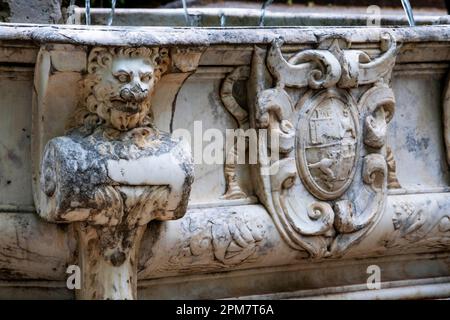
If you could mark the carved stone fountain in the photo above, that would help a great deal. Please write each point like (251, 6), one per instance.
(350, 165)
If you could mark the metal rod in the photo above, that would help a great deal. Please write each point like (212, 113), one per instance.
(111, 14)
(409, 13)
(88, 12)
(263, 11)
(222, 19)
(186, 14)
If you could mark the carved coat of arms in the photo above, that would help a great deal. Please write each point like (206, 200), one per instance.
(326, 151)
(329, 111)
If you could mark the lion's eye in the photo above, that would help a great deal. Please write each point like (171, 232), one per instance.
(122, 77)
(146, 77)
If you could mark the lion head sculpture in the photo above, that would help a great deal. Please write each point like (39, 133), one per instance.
(119, 86)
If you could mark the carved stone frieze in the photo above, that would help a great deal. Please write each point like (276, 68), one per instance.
(417, 226)
(327, 118)
(114, 171)
(228, 240)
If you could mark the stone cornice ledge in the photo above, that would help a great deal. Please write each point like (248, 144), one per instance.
(153, 36)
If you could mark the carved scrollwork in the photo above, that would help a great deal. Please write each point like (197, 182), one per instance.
(337, 153)
(307, 225)
(393, 182)
(371, 71)
(226, 94)
(233, 189)
(379, 102)
(321, 68)
(316, 68)
(277, 103)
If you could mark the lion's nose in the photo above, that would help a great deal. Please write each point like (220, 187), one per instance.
(134, 94)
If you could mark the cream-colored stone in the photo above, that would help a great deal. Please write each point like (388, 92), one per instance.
(389, 208)
(68, 58)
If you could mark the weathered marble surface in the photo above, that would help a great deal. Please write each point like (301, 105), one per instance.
(204, 37)
(113, 171)
(15, 85)
(238, 236)
(204, 247)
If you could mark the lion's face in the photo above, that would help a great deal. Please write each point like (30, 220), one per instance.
(131, 81)
(119, 86)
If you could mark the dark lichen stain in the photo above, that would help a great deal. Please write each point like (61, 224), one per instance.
(213, 101)
(151, 236)
(414, 144)
(10, 274)
(5, 11)
(14, 158)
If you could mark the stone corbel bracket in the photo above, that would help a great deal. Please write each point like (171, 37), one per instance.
(327, 185)
(113, 171)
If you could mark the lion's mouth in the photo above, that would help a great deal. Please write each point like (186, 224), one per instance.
(131, 107)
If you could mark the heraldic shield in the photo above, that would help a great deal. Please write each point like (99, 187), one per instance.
(324, 181)
(327, 143)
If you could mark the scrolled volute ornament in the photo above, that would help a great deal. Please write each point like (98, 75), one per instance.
(330, 189)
